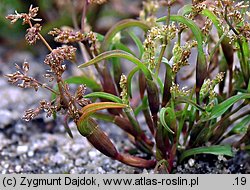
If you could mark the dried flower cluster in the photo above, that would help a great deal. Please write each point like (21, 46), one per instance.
(21, 79)
(26, 17)
(57, 57)
(232, 16)
(32, 34)
(92, 41)
(67, 35)
(207, 27)
(99, 2)
(81, 101)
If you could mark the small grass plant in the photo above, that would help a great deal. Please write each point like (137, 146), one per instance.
(178, 122)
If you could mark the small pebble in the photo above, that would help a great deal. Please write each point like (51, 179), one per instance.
(145, 171)
(92, 154)
(6, 166)
(191, 162)
(30, 153)
(76, 148)
(21, 149)
(18, 168)
(101, 170)
(50, 171)
(6, 118)
(20, 128)
(222, 158)
(79, 162)
(58, 158)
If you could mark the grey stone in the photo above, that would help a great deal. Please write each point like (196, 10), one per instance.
(58, 158)
(6, 118)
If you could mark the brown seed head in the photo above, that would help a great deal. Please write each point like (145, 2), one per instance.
(57, 56)
(32, 34)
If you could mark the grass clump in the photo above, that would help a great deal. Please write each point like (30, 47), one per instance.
(181, 121)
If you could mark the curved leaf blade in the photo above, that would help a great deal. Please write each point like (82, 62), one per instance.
(241, 127)
(216, 150)
(94, 107)
(129, 80)
(126, 23)
(137, 42)
(105, 95)
(190, 102)
(221, 108)
(163, 112)
(119, 54)
(84, 80)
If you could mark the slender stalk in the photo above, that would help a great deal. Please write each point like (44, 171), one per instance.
(183, 116)
(216, 46)
(164, 45)
(245, 70)
(46, 87)
(84, 11)
(41, 37)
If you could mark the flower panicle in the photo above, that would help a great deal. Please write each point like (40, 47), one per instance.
(26, 17)
(182, 54)
(21, 78)
(99, 2)
(57, 57)
(67, 35)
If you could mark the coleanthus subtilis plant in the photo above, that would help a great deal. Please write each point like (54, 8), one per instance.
(181, 121)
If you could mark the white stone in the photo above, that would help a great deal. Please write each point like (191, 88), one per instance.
(21, 149)
(18, 168)
(191, 162)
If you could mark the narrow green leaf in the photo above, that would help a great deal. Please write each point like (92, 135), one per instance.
(121, 46)
(104, 117)
(137, 42)
(245, 63)
(94, 107)
(119, 54)
(242, 126)
(188, 9)
(190, 102)
(221, 108)
(214, 19)
(126, 23)
(129, 80)
(142, 106)
(160, 83)
(99, 37)
(216, 150)
(163, 113)
(105, 95)
(84, 80)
